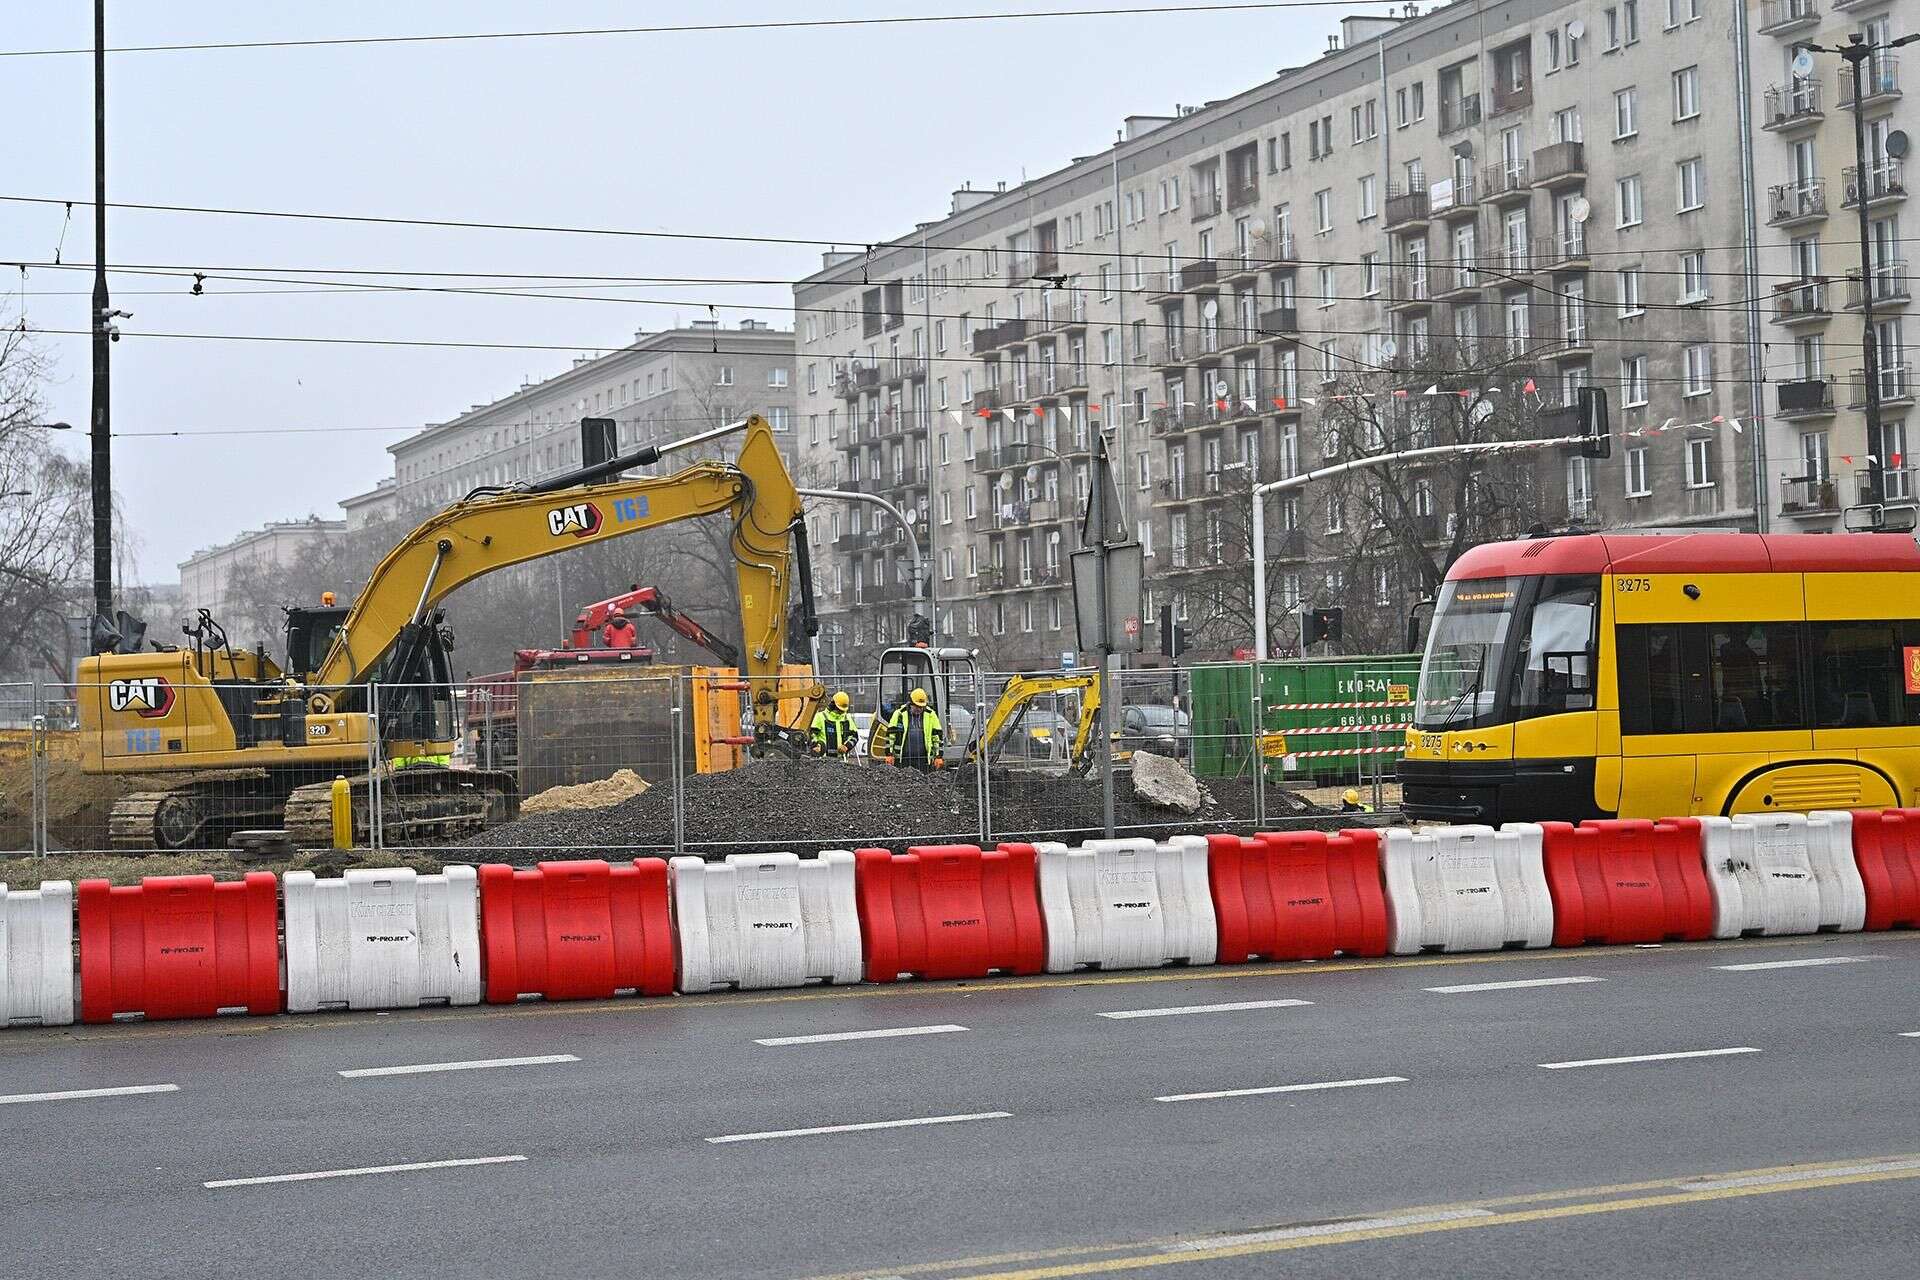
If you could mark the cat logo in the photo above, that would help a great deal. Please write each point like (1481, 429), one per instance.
(582, 520)
(149, 698)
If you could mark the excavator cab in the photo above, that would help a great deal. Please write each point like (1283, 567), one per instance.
(951, 678)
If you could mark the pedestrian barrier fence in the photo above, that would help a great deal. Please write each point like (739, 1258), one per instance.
(1467, 888)
(1298, 895)
(188, 947)
(1886, 848)
(179, 947)
(1126, 904)
(36, 955)
(950, 911)
(1623, 881)
(578, 930)
(388, 939)
(1778, 873)
(765, 920)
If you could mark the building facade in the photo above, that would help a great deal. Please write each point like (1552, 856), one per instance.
(206, 574)
(1811, 186)
(664, 386)
(1532, 196)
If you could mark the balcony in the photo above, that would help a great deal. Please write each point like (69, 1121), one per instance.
(1794, 204)
(1459, 113)
(1809, 495)
(1455, 281)
(988, 400)
(1897, 484)
(1205, 203)
(1886, 183)
(860, 378)
(1237, 267)
(910, 476)
(1406, 208)
(1200, 273)
(1280, 324)
(1890, 286)
(1880, 77)
(1511, 97)
(1411, 289)
(1564, 251)
(1801, 301)
(1026, 266)
(1896, 386)
(1561, 335)
(1169, 352)
(1455, 198)
(1006, 333)
(1780, 17)
(1792, 107)
(1560, 164)
(1174, 419)
(1282, 253)
(1805, 398)
(1507, 182)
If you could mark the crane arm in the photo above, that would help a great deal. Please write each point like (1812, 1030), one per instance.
(495, 530)
(653, 601)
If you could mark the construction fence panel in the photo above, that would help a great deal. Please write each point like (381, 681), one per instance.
(1034, 787)
(1151, 711)
(23, 767)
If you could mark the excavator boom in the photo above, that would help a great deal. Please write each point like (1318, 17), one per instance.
(652, 601)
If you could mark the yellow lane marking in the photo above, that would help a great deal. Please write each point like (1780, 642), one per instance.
(1427, 1220)
(239, 1026)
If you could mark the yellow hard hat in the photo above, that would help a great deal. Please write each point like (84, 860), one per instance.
(918, 697)
(1352, 796)
(841, 701)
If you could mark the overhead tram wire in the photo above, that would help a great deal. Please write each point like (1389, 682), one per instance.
(698, 28)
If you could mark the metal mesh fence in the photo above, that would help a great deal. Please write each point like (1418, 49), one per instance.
(152, 765)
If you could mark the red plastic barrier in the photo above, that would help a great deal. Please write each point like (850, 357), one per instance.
(576, 930)
(1627, 881)
(179, 947)
(1886, 848)
(1297, 895)
(949, 911)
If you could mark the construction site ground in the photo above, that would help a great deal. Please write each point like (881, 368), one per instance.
(798, 805)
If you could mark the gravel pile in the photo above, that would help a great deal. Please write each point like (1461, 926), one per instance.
(808, 805)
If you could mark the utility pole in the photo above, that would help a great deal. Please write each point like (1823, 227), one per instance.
(102, 427)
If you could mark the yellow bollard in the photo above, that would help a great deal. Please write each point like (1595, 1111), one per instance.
(342, 814)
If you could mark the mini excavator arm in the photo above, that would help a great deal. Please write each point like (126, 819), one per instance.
(495, 529)
(1022, 690)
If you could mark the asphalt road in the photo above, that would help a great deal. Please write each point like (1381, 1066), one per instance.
(1486, 1131)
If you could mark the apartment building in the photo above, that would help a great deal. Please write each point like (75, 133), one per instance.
(1811, 189)
(206, 575)
(1548, 181)
(665, 385)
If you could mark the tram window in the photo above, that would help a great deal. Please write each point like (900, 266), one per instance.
(1555, 668)
(1859, 678)
(1755, 676)
(1660, 690)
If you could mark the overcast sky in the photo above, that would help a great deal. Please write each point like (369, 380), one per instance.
(853, 134)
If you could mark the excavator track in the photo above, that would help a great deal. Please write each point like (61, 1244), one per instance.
(195, 815)
(420, 804)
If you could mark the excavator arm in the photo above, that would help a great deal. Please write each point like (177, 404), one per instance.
(652, 601)
(496, 529)
(1022, 690)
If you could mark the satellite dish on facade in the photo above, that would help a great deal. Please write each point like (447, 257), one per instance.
(1221, 390)
(1896, 144)
(1579, 209)
(907, 516)
(1389, 348)
(1802, 64)
(1033, 475)
(1576, 29)
(1257, 228)
(1212, 308)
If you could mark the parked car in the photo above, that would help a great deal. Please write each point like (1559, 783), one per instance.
(1165, 731)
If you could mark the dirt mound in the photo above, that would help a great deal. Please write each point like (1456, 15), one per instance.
(77, 805)
(624, 784)
(808, 805)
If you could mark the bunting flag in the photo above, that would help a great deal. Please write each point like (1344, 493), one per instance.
(958, 421)
(1309, 401)
(1248, 402)
(1847, 458)
(1893, 459)
(1735, 424)
(1400, 394)
(1529, 388)
(1012, 415)
(983, 413)
(1433, 390)
(1092, 408)
(1280, 402)
(1220, 405)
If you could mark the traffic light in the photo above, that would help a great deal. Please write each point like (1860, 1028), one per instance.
(1593, 423)
(1173, 636)
(1320, 624)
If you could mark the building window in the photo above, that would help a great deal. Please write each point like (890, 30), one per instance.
(1627, 200)
(725, 377)
(1370, 273)
(1686, 93)
(1700, 463)
(1633, 380)
(1637, 485)
(1699, 369)
(1336, 514)
(1366, 197)
(1327, 297)
(1693, 276)
(779, 417)
(1630, 304)
(776, 377)
(1322, 212)
(1693, 184)
(1625, 107)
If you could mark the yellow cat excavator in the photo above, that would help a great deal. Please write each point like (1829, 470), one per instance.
(263, 742)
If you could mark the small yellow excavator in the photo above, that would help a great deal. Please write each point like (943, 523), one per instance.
(951, 678)
(263, 742)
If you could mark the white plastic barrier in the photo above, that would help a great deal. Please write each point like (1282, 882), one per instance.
(36, 955)
(1466, 888)
(1127, 904)
(382, 939)
(764, 920)
(1774, 873)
